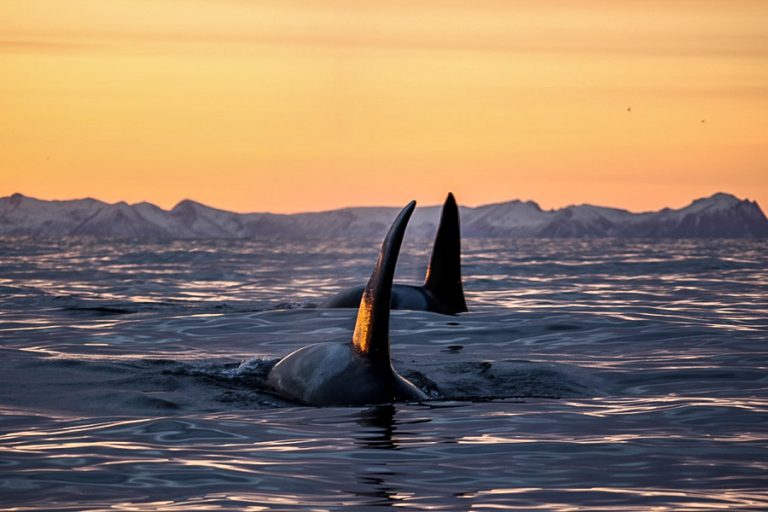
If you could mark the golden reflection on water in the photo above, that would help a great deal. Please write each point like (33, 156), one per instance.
(95, 426)
(586, 439)
(621, 323)
(714, 499)
(205, 503)
(608, 406)
(634, 406)
(58, 445)
(237, 466)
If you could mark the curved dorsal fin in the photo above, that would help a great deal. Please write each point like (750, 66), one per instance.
(444, 272)
(371, 337)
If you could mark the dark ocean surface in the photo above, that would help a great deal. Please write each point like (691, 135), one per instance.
(589, 375)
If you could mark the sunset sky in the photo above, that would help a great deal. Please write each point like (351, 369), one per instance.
(291, 106)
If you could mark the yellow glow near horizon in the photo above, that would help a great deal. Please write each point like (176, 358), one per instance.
(291, 106)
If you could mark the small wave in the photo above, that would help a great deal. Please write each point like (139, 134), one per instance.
(147, 387)
(462, 381)
(98, 307)
(492, 380)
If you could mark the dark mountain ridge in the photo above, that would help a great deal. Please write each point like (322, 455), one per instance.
(718, 216)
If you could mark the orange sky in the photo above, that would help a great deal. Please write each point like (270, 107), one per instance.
(304, 105)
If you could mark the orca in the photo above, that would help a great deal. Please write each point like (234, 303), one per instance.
(442, 291)
(359, 372)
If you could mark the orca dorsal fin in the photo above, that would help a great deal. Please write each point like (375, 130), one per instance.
(443, 279)
(371, 336)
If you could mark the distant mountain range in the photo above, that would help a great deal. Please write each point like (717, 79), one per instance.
(718, 216)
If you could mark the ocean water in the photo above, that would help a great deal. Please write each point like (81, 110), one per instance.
(589, 375)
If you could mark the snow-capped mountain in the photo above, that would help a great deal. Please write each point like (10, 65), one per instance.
(718, 216)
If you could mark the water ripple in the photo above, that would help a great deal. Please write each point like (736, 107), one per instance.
(590, 375)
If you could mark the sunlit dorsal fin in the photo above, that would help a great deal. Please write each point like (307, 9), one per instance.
(371, 337)
(444, 272)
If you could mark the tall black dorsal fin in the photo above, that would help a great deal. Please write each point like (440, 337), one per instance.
(444, 272)
(371, 335)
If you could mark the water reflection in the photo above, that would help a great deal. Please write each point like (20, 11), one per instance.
(377, 433)
(656, 353)
(378, 424)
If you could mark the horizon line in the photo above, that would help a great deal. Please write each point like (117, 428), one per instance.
(300, 212)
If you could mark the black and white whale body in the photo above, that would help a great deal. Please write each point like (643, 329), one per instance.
(442, 291)
(359, 372)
